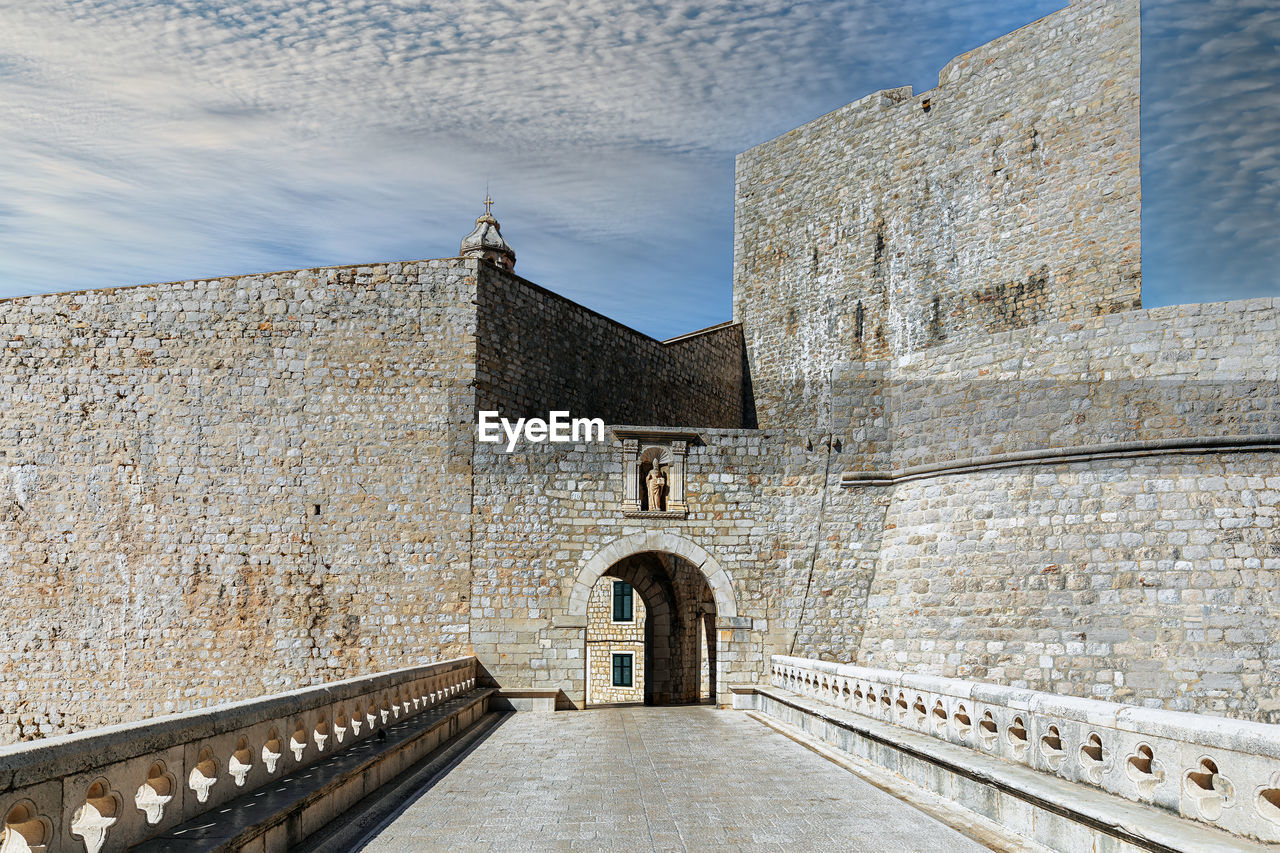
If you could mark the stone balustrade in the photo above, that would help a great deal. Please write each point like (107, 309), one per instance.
(114, 787)
(1215, 770)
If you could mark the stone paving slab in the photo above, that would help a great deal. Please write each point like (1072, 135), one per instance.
(683, 778)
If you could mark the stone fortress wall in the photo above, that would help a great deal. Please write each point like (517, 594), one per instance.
(926, 282)
(1086, 507)
(538, 351)
(217, 489)
(1142, 577)
(1007, 196)
(213, 489)
(547, 509)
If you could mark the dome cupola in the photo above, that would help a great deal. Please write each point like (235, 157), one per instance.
(486, 241)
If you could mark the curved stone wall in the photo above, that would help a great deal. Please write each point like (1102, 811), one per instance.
(1149, 581)
(1148, 574)
(1186, 371)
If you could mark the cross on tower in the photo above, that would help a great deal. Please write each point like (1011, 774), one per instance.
(488, 203)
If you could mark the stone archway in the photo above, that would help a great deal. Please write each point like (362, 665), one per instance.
(685, 629)
(655, 540)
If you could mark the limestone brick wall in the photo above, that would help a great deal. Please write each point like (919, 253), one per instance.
(543, 511)
(755, 499)
(1147, 579)
(605, 638)
(1007, 196)
(221, 488)
(910, 574)
(1150, 581)
(695, 612)
(216, 489)
(211, 490)
(538, 351)
(1207, 370)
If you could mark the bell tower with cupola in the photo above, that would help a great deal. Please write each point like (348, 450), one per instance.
(486, 241)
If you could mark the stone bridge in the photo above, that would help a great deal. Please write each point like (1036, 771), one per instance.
(820, 756)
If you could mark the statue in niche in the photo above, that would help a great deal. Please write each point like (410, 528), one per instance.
(656, 483)
(653, 469)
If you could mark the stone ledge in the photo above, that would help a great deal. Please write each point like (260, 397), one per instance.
(1059, 814)
(1194, 445)
(541, 700)
(655, 433)
(981, 829)
(303, 802)
(1220, 772)
(189, 765)
(82, 752)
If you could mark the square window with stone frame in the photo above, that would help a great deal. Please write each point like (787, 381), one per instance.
(623, 669)
(623, 602)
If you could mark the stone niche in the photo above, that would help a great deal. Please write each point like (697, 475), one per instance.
(653, 463)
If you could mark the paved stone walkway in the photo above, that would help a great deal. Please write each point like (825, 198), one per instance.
(685, 778)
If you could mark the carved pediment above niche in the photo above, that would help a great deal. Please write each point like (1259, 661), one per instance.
(653, 464)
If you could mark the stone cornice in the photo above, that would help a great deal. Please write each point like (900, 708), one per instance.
(1054, 456)
(654, 433)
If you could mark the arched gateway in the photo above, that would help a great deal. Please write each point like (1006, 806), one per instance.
(660, 541)
(651, 606)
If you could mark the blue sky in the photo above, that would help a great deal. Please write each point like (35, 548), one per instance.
(147, 141)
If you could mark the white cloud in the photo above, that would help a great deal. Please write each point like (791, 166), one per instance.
(143, 141)
(1211, 157)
